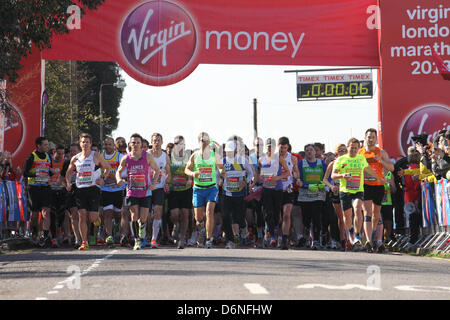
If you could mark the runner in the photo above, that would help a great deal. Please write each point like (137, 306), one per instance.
(87, 164)
(161, 185)
(350, 169)
(387, 213)
(288, 190)
(254, 206)
(341, 149)
(38, 168)
(111, 193)
(311, 194)
(238, 174)
(296, 214)
(202, 167)
(71, 205)
(121, 145)
(378, 159)
(58, 196)
(138, 164)
(271, 166)
(180, 196)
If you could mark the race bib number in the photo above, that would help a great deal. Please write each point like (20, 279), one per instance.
(43, 178)
(205, 175)
(354, 183)
(85, 178)
(269, 182)
(137, 182)
(233, 184)
(179, 182)
(368, 177)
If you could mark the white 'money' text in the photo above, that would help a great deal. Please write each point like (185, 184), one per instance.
(243, 40)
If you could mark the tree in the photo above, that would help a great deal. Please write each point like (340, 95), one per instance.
(27, 22)
(73, 107)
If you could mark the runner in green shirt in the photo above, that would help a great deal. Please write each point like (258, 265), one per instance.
(349, 169)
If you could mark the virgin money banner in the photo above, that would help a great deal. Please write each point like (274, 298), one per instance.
(415, 97)
(161, 42)
(22, 122)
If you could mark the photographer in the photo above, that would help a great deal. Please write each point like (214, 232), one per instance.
(6, 171)
(425, 150)
(440, 159)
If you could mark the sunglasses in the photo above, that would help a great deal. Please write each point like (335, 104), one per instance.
(342, 150)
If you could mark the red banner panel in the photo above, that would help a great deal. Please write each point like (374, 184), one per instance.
(415, 97)
(23, 123)
(161, 42)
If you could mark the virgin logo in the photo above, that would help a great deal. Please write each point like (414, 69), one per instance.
(158, 39)
(430, 119)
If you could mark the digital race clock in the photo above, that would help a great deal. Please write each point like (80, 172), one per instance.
(334, 86)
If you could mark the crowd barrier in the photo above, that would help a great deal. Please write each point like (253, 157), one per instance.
(435, 231)
(13, 205)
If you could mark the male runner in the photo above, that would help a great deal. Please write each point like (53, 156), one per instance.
(254, 207)
(350, 169)
(112, 194)
(202, 167)
(288, 190)
(38, 168)
(378, 159)
(161, 184)
(180, 196)
(138, 164)
(71, 204)
(273, 169)
(311, 193)
(239, 174)
(58, 194)
(87, 165)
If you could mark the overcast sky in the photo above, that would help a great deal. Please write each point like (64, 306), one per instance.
(218, 99)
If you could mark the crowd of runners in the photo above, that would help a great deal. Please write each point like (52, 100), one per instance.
(137, 194)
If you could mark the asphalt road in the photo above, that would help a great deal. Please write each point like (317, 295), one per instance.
(219, 274)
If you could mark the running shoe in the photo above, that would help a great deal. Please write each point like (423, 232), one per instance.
(55, 243)
(109, 241)
(301, 242)
(143, 243)
(84, 246)
(237, 241)
(137, 244)
(180, 244)
(284, 244)
(259, 243)
(333, 244)
(124, 241)
(273, 242)
(368, 247)
(229, 245)
(77, 245)
(381, 248)
(308, 243)
(209, 244)
(315, 245)
(154, 244)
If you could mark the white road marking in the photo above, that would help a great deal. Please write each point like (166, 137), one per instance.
(256, 288)
(423, 288)
(343, 287)
(71, 278)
